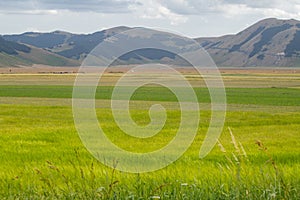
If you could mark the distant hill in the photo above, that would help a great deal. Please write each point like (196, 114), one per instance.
(270, 42)
(13, 54)
(73, 46)
(78, 46)
(12, 48)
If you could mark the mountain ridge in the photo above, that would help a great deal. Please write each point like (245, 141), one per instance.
(269, 42)
(14, 54)
(69, 45)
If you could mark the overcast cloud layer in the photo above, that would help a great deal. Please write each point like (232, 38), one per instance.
(190, 17)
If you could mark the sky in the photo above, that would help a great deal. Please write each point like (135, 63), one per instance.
(192, 18)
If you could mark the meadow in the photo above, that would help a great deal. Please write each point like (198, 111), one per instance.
(257, 157)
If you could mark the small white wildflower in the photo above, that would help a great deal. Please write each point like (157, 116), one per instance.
(273, 195)
(100, 189)
(155, 197)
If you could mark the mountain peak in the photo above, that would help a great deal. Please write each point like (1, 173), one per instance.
(59, 32)
(269, 42)
(276, 21)
(116, 30)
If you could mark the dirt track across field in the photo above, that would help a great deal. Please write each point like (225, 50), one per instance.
(41, 69)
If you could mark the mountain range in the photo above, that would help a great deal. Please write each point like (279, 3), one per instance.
(17, 54)
(270, 42)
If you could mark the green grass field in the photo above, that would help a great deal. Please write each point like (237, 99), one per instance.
(42, 156)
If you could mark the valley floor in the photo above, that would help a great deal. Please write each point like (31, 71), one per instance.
(257, 156)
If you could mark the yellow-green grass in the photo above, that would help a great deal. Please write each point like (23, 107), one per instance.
(250, 80)
(256, 96)
(42, 156)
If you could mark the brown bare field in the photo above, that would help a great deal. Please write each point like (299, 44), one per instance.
(42, 69)
(232, 77)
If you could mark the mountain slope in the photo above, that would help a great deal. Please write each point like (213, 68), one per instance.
(15, 54)
(69, 45)
(12, 47)
(79, 46)
(270, 42)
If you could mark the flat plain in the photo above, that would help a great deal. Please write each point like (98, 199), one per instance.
(257, 156)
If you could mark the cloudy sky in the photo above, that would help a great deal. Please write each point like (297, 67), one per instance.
(187, 17)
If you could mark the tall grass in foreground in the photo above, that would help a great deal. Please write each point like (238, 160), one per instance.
(234, 177)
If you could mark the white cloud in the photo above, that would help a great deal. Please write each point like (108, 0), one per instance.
(176, 11)
(192, 17)
(274, 10)
(153, 9)
(179, 6)
(33, 12)
(235, 8)
(98, 6)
